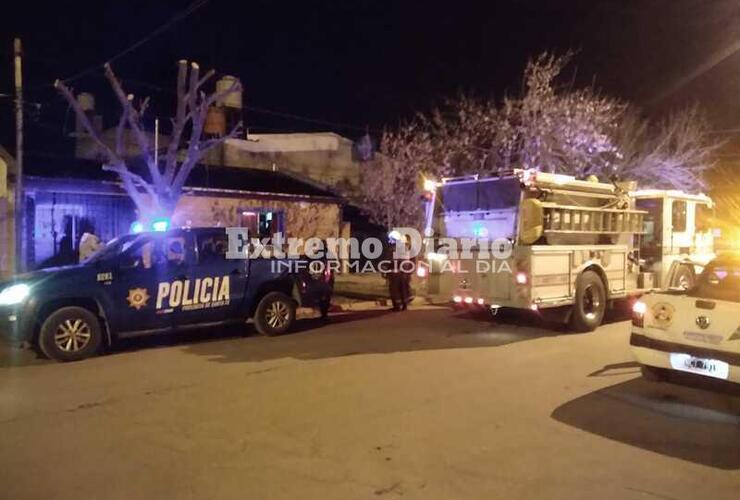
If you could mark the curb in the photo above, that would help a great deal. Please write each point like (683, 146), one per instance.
(381, 303)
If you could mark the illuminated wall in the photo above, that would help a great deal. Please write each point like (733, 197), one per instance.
(303, 219)
(7, 241)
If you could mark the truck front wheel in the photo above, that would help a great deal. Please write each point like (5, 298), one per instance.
(70, 334)
(590, 304)
(275, 314)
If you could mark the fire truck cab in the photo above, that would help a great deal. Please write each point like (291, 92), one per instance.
(677, 236)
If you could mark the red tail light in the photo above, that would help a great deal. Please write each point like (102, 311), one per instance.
(639, 309)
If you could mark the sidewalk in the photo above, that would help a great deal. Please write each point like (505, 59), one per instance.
(369, 291)
(341, 304)
(368, 286)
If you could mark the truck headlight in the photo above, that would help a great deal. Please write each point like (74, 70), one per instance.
(14, 294)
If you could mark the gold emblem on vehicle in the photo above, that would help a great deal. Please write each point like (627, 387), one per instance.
(137, 298)
(663, 315)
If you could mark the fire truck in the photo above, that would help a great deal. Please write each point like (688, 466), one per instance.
(566, 245)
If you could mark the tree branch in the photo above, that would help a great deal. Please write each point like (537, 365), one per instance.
(206, 146)
(133, 119)
(179, 122)
(134, 180)
(120, 131)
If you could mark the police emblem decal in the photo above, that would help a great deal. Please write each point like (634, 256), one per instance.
(663, 315)
(137, 298)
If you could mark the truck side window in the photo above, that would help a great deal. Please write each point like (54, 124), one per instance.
(652, 240)
(678, 219)
(704, 216)
(212, 247)
(158, 251)
(719, 282)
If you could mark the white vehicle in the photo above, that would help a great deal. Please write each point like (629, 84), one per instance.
(576, 245)
(695, 331)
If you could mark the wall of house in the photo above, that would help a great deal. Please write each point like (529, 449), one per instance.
(323, 159)
(303, 219)
(7, 226)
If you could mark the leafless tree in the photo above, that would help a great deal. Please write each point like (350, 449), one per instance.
(157, 192)
(674, 153)
(561, 129)
(391, 184)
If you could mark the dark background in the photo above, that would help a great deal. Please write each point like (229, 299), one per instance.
(357, 63)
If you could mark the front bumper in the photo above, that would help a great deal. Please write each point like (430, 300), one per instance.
(17, 323)
(654, 352)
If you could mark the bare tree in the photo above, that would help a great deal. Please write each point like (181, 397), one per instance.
(391, 184)
(156, 194)
(558, 129)
(674, 153)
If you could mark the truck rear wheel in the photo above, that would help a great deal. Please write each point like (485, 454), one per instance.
(70, 334)
(590, 304)
(275, 314)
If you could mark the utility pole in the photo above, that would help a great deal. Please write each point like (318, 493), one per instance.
(156, 142)
(19, 202)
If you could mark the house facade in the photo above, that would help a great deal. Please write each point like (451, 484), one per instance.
(62, 203)
(7, 214)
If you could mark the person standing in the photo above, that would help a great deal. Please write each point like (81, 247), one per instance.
(397, 286)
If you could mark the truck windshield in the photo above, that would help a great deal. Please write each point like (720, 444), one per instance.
(481, 209)
(488, 194)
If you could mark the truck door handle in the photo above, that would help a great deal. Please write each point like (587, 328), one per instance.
(235, 272)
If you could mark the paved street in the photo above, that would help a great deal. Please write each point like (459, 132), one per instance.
(425, 404)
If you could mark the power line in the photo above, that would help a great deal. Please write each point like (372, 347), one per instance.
(197, 4)
(305, 118)
(258, 109)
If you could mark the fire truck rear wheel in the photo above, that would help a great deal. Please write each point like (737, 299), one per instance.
(590, 304)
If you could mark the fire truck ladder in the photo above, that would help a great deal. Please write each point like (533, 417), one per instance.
(565, 219)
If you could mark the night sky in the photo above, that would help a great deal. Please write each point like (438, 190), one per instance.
(370, 63)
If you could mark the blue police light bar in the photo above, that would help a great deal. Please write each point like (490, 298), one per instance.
(160, 225)
(136, 227)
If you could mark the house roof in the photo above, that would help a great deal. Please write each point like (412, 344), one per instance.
(203, 178)
(288, 143)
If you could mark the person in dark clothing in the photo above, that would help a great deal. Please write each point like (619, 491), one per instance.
(407, 272)
(397, 279)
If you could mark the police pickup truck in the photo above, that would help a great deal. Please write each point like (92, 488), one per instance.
(155, 282)
(695, 330)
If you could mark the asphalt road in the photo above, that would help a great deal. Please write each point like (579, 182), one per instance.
(421, 404)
